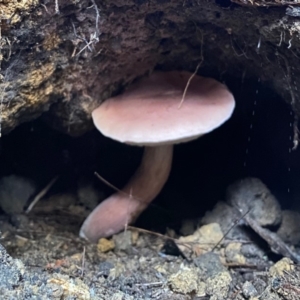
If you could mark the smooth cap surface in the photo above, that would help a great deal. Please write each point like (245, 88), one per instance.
(149, 111)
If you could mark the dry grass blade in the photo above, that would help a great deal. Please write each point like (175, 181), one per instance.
(188, 84)
(193, 75)
(40, 195)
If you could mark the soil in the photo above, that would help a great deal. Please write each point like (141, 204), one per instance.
(50, 261)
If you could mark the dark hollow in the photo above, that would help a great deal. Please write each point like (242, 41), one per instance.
(201, 169)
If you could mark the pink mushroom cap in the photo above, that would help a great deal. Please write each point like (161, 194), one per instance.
(149, 112)
(153, 113)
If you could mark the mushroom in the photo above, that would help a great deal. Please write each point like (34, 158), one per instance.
(150, 113)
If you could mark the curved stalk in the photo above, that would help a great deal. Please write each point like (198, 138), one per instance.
(122, 208)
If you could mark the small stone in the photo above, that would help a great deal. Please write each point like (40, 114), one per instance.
(209, 265)
(278, 269)
(289, 227)
(185, 281)
(15, 191)
(134, 237)
(88, 195)
(249, 290)
(65, 287)
(77, 257)
(187, 227)
(161, 268)
(21, 241)
(233, 254)
(201, 290)
(293, 11)
(214, 274)
(225, 216)
(203, 239)
(116, 271)
(105, 268)
(219, 285)
(253, 253)
(251, 195)
(123, 240)
(104, 245)
(121, 296)
(19, 221)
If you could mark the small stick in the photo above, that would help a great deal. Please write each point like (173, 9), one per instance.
(193, 75)
(115, 188)
(230, 228)
(108, 183)
(41, 194)
(164, 237)
(188, 84)
(158, 283)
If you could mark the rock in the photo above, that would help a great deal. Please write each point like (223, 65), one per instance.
(203, 239)
(134, 236)
(186, 281)
(289, 227)
(105, 267)
(104, 245)
(187, 227)
(15, 191)
(64, 287)
(116, 271)
(225, 216)
(209, 265)
(89, 196)
(19, 221)
(249, 290)
(123, 240)
(214, 274)
(121, 296)
(233, 253)
(252, 195)
(281, 266)
(218, 286)
(254, 255)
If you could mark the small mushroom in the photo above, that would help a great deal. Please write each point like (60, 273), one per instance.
(150, 113)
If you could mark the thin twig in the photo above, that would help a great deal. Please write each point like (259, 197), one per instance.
(188, 84)
(56, 7)
(158, 283)
(109, 184)
(230, 228)
(41, 194)
(97, 17)
(194, 74)
(243, 52)
(115, 188)
(154, 233)
(122, 192)
(164, 237)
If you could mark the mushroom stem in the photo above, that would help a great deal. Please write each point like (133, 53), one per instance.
(123, 207)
